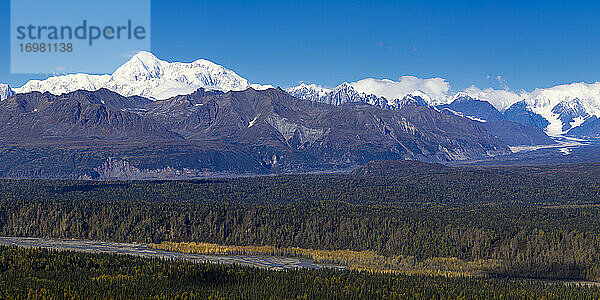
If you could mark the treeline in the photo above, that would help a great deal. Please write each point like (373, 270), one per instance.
(535, 262)
(38, 274)
(352, 260)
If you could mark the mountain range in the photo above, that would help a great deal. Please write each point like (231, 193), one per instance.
(102, 134)
(509, 131)
(157, 119)
(557, 110)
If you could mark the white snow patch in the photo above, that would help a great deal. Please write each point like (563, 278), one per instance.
(253, 121)
(261, 87)
(577, 122)
(465, 116)
(565, 151)
(476, 119)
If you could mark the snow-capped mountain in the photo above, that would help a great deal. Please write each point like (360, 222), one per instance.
(557, 110)
(462, 104)
(344, 93)
(310, 92)
(347, 92)
(473, 108)
(563, 107)
(522, 114)
(417, 98)
(147, 76)
(5, 91)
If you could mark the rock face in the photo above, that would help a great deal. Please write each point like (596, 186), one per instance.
(520, 113)
(104, 135)
(512, 133)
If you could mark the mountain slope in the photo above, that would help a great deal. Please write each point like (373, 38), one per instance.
(556, 110)
(81, 114)
(520, 113)
(590, 128)
(493, 121)
(274, 118)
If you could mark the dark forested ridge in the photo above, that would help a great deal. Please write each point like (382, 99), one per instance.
(536, 222)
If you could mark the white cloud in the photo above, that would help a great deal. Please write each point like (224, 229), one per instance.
(500, 99)
(436, 88)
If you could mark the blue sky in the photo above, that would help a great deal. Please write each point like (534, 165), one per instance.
(529, 43)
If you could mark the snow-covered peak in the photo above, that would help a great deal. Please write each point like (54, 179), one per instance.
(343, 93)
(310, 88)
(310, 92)
(344, 86)
(588, 94)
(574, 106)
(146, 57)
(462, 96)
(420, 94)
(142, 66)
(147, 76)
(5, 91)
(559, 105)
